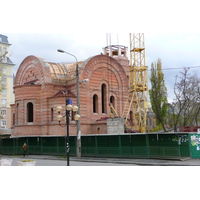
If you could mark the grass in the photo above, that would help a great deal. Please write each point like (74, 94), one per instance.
(27, 161)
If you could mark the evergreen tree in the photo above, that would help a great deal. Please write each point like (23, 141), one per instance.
(158, 93)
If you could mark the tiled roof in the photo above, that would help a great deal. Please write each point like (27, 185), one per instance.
(4, 39)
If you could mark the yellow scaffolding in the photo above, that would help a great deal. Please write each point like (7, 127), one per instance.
(138, 86)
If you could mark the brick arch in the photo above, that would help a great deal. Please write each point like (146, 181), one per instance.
(31, 68)
(108, 62)
(93, 70)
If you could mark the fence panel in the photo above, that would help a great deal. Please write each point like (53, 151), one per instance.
(88, 146)
(128, 145)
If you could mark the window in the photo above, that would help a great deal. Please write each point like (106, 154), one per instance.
(4, 50)
(13, 119)
(4, 70)
(3, 123)
(131, 116)
(103, 98)
(3, 101)
(30, 112)
(112, 101)
(17, 114)
(4, 60)
(95, 104)
(52, 115)
(4, 91)
(4, 80)
(3, 112)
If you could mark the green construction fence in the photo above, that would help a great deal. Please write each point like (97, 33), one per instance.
(164, 145)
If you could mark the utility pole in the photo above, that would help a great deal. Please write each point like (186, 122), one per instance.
(78, 130)
(78, 145)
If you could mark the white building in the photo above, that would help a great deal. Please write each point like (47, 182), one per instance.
(6, 95)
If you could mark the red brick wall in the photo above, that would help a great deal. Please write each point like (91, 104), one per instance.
(46, 96)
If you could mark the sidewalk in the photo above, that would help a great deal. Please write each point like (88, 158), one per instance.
(144, 162)
(139, 162)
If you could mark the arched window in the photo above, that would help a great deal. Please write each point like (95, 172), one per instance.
(95, 104)
(13, 119)
(103, 98)
(17, 115)
(30, 112)
(52, 115)
(112, 101)
(131, 116)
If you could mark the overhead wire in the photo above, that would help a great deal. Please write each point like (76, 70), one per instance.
(179, 68)
(101, 70)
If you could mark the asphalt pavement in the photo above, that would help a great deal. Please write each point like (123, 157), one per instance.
(90, 161)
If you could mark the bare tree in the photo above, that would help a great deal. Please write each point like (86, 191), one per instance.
(186, 107)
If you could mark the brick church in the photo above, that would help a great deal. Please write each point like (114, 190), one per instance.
(41, 86)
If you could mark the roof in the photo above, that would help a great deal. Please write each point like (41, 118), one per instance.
(6, 60)
(62, 73)
(50, 72)
(4, 39)
(9, 61)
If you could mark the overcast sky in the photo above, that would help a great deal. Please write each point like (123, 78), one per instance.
(176, 50)
(80, 27)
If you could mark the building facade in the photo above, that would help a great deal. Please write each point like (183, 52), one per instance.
(6, 95)
(41, 86)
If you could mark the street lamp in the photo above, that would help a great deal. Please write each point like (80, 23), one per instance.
(78, 141)
(69, 108)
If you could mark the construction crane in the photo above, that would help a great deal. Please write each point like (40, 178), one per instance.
(138, 83)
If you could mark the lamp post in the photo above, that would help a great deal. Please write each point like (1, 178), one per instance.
(78, 141)
(76, 117)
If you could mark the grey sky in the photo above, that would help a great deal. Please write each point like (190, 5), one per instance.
(176, 50)
(80, 27)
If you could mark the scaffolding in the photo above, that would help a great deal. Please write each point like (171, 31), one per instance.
(138, 85)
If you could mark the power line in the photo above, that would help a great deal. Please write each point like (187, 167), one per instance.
(180, 68)
(101, 70)
(174, 68)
